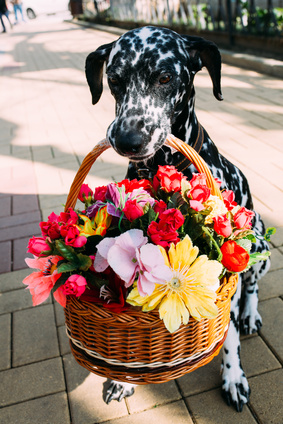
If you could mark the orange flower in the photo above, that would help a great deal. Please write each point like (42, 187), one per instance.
(42, 282)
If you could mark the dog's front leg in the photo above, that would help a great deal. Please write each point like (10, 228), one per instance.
(118, 391)
(235, 387)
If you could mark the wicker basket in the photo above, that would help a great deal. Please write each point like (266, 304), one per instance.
(134, 346)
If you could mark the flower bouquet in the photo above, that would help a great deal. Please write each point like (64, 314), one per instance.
(144, 266)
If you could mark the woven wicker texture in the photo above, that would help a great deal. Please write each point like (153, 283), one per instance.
(135, 346)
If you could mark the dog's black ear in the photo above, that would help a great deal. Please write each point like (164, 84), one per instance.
(94, 70)
(206, 53)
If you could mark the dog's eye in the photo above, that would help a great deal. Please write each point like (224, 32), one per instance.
(113, 80)
(165, 79)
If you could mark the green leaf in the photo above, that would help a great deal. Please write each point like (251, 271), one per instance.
(67, 267)
(67, 252)
(251, 237)
(84, 262)
(175, 201)
(245, 244)
(256, 257)
(269, 232)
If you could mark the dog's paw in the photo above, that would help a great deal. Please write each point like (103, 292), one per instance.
(118, 391)
(235, 389)
(250, 322)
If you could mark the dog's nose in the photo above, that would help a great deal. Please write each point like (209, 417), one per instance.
(129, 143)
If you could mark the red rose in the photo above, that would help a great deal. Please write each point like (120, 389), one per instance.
(69, 217)
(161, 236)
(50, 229)
(99, 193)
(37, 245)
(243, 218)
(131, 185)
(85, 193)
(160, 207)
(72, 236)
(132, 210)
(235, 258)
(222, 225)
(171, 219)
(200, 193)
(168, 178)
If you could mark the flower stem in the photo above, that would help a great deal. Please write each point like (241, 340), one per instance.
(207, 232)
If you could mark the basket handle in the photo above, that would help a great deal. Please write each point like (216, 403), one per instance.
(104, 144)
(83, 171)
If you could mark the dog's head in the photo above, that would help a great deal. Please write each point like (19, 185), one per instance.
(150, 74)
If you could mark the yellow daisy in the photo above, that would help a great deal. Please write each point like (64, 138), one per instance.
(191, 291)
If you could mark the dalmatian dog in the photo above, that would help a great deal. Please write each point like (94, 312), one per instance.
(150, 73)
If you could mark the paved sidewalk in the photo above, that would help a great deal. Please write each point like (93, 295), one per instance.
(47, 126)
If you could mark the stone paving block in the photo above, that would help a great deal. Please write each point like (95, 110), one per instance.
(209, 407)
(15, 300)
(271, 312)
(6, 256)
(52, 409)
(174, 413)
(20, 252)
(267, 397)
(5, 345)
(256, 357)
(13, 280)
(63, 341)
(19, 231)
(277, 238)
(48, 201)
(24, 203)
(276, 260)
(19, 219)
(34, 335)
(5, 206)
(152, 395)
(41, 153)
(85, 394)
(31, 381)
(203, 379)
(271, 285)
(59, 314)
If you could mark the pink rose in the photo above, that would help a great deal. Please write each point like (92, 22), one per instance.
(198, 179)
(196, 205)
(37, 245)
(72, 236)
(75, 285)
(85, 193)
(243, 218)
(132, 210)
(222, 225)
(229, 199)
(200, 193)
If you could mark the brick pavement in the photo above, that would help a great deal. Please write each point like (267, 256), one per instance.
(47, 126)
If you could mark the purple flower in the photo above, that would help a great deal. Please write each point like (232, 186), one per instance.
(93, 209)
